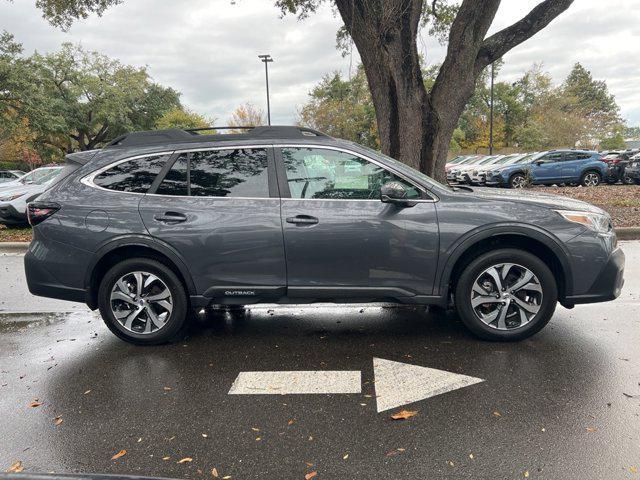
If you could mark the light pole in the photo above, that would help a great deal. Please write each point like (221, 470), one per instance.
(266, 59)
(491, 115)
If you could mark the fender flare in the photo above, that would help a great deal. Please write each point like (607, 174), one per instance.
(462, 245)
(140, 240)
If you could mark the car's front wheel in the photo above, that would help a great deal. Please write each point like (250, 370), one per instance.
(506, 295)
(518, 181)
(143, 302)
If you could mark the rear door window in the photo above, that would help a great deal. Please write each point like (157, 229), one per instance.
(134, 176)
(239, 173)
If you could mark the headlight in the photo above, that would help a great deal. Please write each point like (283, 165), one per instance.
(595, 221)
(11, 197)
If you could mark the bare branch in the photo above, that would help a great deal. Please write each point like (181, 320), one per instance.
(500, 43)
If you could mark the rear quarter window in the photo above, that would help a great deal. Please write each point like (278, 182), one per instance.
(135, 176)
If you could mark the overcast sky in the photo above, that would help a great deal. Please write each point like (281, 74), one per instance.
(207, 49)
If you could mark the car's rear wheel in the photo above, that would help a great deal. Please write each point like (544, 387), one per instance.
(143, 302)
(590, 179)
(627, 180)
(518, 181)
(506, 295)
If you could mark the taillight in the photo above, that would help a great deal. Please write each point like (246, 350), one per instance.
(38, 212)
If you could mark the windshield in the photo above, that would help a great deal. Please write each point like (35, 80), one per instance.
(40, 176)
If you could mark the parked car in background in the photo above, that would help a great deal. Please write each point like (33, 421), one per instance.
(452, 169)
(39, 175)
(617, 163)
(158, 223)
(583, 167)
(464, 172)
(479, 174)
(13, 201)
(632, 170)
(10, 175)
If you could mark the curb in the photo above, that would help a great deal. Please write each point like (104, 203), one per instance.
(628, 233)
(14, 247)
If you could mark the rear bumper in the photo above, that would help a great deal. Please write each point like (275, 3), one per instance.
(607, 285)
(41, 282)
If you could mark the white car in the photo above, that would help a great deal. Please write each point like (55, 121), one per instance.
(479, 175)
(453, 170)
(13, 200)
(464, 173)
(38, 175)
(10, 175)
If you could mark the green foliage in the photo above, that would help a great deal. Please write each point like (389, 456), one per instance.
(615, 142)
(182, 118)
(342, 108)
(62, 12)
(73, 99)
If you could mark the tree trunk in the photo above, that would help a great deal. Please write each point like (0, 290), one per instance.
(416, 126)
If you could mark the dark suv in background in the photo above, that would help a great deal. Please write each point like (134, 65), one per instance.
(159, 223)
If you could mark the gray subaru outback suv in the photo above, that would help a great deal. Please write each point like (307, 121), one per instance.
(158, 224)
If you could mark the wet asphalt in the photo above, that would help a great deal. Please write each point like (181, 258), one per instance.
(564, 404)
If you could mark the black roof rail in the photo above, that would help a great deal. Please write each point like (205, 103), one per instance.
(193, 135)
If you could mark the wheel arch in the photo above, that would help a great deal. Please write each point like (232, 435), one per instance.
(129, 247)
(527, 238)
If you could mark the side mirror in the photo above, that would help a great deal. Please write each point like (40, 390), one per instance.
(395, 192)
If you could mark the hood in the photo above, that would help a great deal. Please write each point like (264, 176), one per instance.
(544, 200)
(26, 189)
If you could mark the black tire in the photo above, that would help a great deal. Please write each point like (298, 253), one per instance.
(175, 321)
(591, 178)
(627, 180)
(517, 180)
(469, 275)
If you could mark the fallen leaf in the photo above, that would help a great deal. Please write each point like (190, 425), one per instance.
(57, 421)
(471, 456)
(497, 414)
(404, 414)
(400, 449)
(166, 458)
(227, 477)
(35, 404)
(139, 439)
(310, 475)
(87, 392)
(592, 429)
(199, 471)
(185, 460)
(16, 467)
(633, 469)
(346, 455)
(167, 389)
(121, 453)
(526, 474)
(255, 429)
(309, 464)
(291, 422)
(214, 472)
(258, 439)
(450, 463)
(204, 435)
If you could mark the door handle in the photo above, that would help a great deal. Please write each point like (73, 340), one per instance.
(302, 220)
(170, 217)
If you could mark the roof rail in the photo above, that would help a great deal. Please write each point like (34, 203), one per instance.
(193, 135)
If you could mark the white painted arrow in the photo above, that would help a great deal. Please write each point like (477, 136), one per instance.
(396, 383)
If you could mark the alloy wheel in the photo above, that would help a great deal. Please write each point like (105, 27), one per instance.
(518, 181)
(506, 296)
(591, 180)
(141, 302)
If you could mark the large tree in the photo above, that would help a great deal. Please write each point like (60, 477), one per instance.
(415, 125)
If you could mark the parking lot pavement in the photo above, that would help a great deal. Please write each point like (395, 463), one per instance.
(564, 404)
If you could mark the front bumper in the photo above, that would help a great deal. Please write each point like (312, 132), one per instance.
(10, 215)
(494, 180)
(607, 285)
(633, 172)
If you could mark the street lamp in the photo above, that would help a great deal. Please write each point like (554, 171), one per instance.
(266, 59)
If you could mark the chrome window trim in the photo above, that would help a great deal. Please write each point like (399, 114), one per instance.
(89, 179)
(434, 198)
